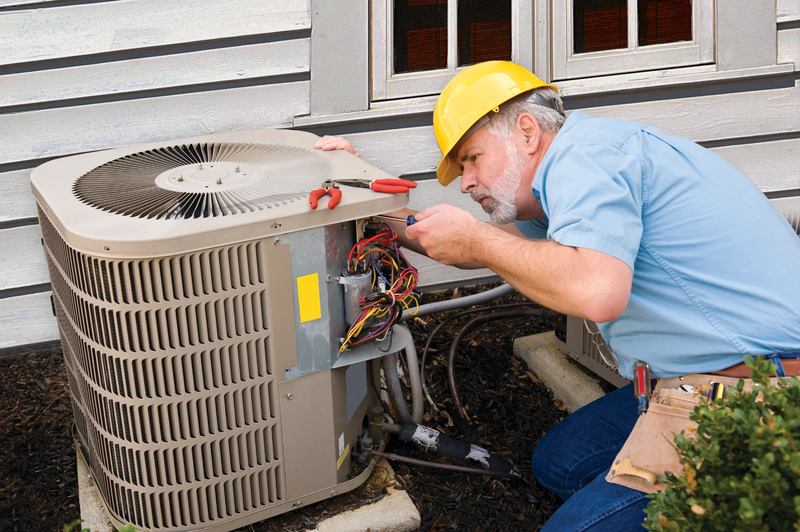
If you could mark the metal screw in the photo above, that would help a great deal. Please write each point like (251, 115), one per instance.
(298, 504)
(277, 241)
(289, 396)
(276, 226)
(333, 492)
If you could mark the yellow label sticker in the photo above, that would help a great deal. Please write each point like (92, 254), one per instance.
(308, 297)
(342, 456)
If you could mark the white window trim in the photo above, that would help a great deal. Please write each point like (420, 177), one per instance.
(568, 65)
(386, 85)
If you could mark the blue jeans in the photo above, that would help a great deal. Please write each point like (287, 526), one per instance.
(572, 460)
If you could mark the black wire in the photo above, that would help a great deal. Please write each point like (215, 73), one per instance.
(451, 359)
(456, 316)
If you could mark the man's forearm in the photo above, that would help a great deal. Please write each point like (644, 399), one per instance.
(577, 281)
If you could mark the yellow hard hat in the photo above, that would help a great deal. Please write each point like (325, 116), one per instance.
(470, 95)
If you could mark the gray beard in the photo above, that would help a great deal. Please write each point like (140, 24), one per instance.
(502, 208)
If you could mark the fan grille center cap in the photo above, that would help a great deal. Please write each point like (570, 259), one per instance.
(209, 176)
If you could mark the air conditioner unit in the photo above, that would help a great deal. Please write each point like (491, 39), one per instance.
(574, 339)
(200, 309)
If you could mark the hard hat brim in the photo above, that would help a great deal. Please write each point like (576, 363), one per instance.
(448, 170)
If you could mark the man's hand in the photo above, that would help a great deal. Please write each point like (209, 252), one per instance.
(328, 143)
(447, 233)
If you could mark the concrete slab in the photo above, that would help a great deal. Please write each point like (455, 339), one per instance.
(93, 513)
(394, 513)
(568, 382)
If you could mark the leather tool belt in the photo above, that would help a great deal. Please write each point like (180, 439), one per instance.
(650, 449)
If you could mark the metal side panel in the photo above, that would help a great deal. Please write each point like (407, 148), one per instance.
(309, 443)
(317, 256)
(281, 305)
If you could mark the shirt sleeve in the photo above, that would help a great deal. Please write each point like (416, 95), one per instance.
(533, 229)
(592, 196)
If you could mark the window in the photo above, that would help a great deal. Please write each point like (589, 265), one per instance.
(419, 44)
(598, 37)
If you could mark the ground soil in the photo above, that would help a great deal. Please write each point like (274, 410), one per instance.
(509, 410)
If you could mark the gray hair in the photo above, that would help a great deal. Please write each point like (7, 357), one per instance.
(502, 124)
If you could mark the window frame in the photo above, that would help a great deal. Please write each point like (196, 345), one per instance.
(569, 65)
(386, 85)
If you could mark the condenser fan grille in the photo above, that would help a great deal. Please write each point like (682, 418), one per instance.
(203, 180)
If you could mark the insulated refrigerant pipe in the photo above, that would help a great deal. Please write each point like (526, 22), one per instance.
(433, 440)
(461, 302)
(394, 389)
(451, 358)
(415, 380)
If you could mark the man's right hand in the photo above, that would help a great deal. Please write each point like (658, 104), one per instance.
(328, 143)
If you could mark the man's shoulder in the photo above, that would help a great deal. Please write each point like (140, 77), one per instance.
(582, 127)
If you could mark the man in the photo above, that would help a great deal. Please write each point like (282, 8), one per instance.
(679, 258)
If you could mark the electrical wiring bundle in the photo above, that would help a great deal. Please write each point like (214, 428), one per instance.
(391, 289)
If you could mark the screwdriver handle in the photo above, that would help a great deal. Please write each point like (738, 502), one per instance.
(641, 386)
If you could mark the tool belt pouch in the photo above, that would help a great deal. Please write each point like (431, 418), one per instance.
(650, 449)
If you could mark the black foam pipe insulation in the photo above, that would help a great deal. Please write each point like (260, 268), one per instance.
(433, 440)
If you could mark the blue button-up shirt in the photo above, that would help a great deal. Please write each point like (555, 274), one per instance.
(715, 266)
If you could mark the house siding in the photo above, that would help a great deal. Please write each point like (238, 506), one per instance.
(90, 76)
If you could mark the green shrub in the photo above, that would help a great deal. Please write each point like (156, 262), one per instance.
(742, 472)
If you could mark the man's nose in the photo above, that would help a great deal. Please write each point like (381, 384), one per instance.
(468, 181)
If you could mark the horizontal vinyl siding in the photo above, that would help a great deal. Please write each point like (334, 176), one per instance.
(111, 27)
(91, 76)
(87, 76)
(67, 130)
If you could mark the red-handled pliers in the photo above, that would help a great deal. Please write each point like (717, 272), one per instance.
(328, 188)
(331, 188)
(389, 186)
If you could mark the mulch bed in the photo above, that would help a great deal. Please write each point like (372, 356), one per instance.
(509, 412)
(39, 488)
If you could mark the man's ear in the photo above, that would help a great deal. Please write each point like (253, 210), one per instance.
(528, 127)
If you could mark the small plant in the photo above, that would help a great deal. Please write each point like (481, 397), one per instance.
(73, 527)
(742, 472)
